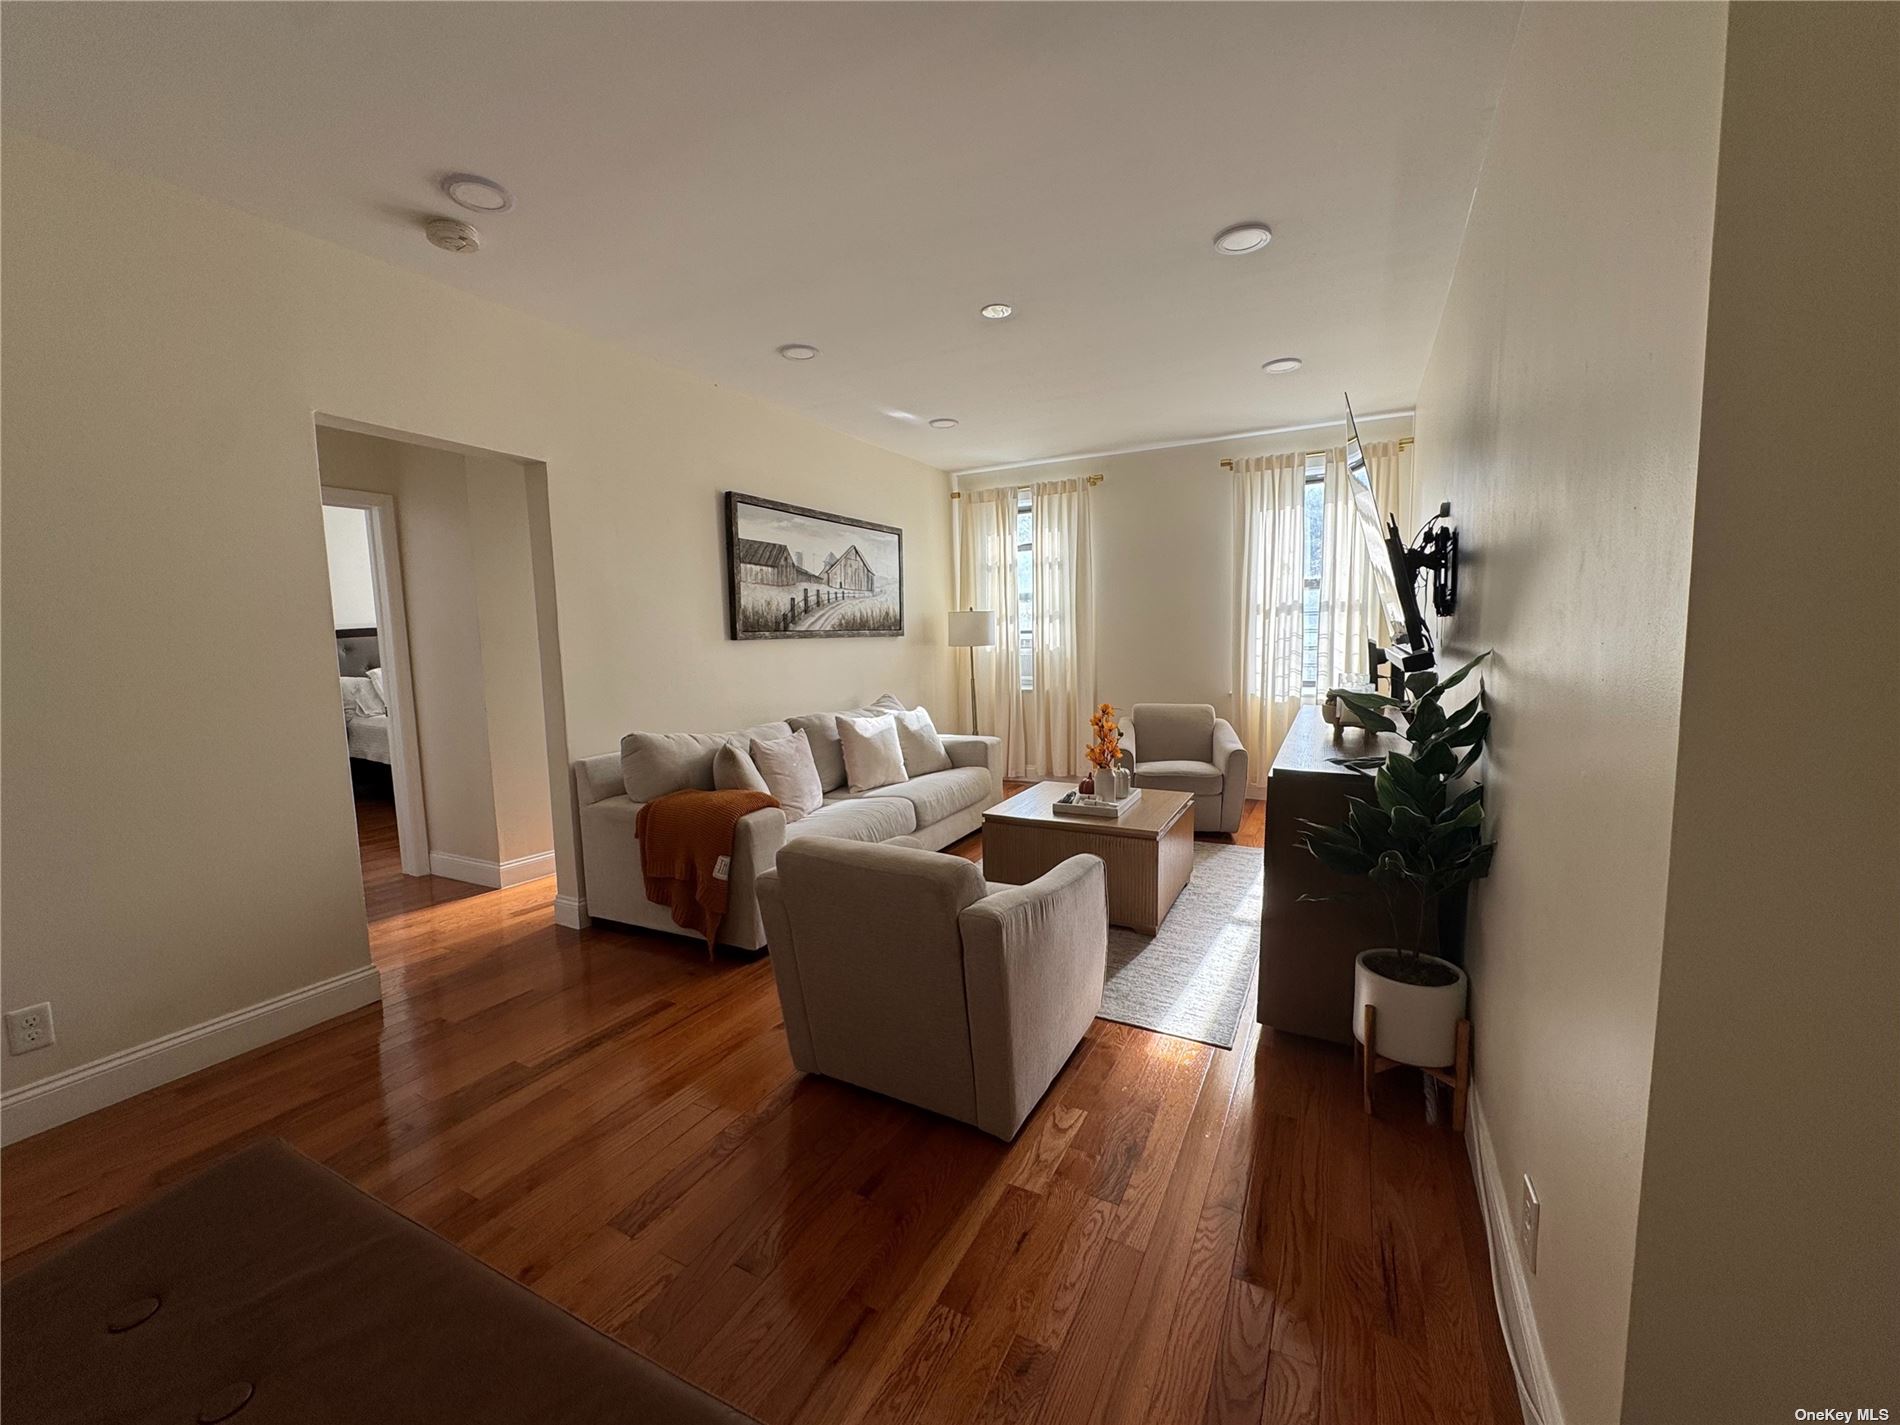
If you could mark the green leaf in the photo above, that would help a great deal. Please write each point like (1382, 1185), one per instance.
(1391, 794)
(1466, 819)
(1464, 799)
(1409, 825)
(1421, 682)
(1371, 700)
(1463, 713)
(1427, 721)
(1438, 761)
(1371, 825)
(1344, 863)
(1416, 785)
(1362, 765)
(1456, 678)
(1368, 712)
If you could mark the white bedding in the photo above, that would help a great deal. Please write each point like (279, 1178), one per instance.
(368, 735)
(366, 716)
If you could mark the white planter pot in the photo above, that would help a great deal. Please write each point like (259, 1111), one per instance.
(1413, 1024)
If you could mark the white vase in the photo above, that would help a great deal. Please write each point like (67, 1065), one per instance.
(1413, 1024)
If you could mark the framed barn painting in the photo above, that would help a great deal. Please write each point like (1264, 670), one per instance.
(798, 573)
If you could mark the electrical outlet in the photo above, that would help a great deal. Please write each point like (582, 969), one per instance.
(29, 1029)
(1527, 1216)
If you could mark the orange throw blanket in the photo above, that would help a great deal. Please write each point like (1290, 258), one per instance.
(686, 853)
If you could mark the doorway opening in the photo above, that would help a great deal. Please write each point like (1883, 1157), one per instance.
(441, 595)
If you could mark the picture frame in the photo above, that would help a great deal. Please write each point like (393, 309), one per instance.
(797, 572)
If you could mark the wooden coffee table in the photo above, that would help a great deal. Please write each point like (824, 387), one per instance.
(1149, 849)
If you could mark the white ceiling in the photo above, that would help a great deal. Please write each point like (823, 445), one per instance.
(703, 182)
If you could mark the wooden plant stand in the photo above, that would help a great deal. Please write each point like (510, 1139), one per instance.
(1457, 1078)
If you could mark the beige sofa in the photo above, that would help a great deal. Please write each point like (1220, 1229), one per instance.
(937, 809)
(1183, 747)
(901, 972)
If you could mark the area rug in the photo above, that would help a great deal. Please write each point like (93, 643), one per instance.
(269, 1289)
(1191, 979)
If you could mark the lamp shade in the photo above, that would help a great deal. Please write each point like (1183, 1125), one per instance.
(972, 628)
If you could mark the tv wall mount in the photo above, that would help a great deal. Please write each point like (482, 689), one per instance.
(1433, 551)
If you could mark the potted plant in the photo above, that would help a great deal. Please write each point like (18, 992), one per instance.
(1415, 842)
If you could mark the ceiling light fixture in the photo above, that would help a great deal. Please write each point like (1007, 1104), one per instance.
(1242, 237)
(477, 194)
(797, 351)
(944, 423)
(996, 311)
(1280, 365)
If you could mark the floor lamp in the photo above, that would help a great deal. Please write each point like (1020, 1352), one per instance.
(973, 629)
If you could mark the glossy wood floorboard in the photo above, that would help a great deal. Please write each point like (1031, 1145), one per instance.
(1180, 1233)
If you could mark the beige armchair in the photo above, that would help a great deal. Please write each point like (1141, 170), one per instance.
(900, 971)
(1183, 747)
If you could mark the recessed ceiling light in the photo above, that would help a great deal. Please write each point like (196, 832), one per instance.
(944, 423)
(477, 194)
(1280, 365)
(996, 311)
(1242, 237)
(797, 351)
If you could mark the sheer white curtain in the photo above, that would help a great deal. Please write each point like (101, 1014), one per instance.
(1350, 610)
(1270, 586)
(987, 577)
(1063, 611)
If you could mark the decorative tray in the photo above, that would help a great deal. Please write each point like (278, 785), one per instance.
(1072, 804)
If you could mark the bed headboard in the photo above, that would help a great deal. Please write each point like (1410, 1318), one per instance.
(357, 652)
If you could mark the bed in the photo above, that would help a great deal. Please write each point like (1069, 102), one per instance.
(365, 707)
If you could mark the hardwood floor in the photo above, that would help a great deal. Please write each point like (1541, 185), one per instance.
(1179, 1233)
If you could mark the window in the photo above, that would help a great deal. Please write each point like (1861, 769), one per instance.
(1314, 498)
(1025, 590)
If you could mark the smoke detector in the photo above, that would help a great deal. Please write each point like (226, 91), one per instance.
(452, 235)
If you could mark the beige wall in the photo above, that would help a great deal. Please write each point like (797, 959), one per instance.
(1768, 1253)
(1164, 552)
(511, 666)
(1558, 414)
(179, 837)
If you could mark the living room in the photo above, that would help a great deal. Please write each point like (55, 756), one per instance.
(1011, 343)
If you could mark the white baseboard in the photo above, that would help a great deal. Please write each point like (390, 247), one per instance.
(1536, 1391)
(49, 1102)
(493, 874)
(527, 868)
(571, 911)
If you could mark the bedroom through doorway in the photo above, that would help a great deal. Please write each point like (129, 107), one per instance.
(445, 651)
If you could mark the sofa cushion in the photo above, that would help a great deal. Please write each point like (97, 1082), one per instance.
(655, 763)
(872, 756)
(923, 749)
(735, 771)
(1173, 732)
(786, 767)
(858, 819)
(937, 795)
(1180, 775)
(822, 730)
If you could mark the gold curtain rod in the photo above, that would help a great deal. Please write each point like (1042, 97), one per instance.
(1405, 443)
(1093, 480)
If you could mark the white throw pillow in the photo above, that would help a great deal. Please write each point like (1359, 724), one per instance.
(872, 755)
(790, 774)
(360, 697)
(733, 771)
(923, 749)
(376, 676)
